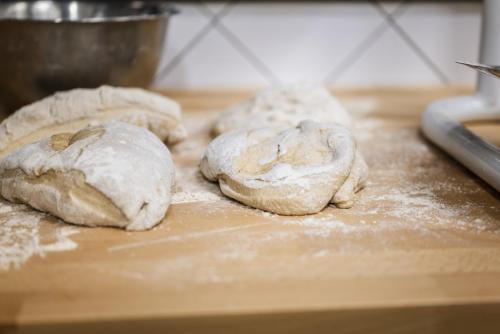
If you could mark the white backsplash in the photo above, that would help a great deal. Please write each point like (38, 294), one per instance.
(238, 45)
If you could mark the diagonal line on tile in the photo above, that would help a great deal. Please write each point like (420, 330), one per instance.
(359, 50)
(202, 33)
(243, 50)
(412, 44)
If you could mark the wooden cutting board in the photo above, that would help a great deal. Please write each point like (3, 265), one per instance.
(420, 250)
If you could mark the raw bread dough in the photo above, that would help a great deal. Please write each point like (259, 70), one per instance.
(115, 174)
(285, 106)
(75, 109)
(289, 171)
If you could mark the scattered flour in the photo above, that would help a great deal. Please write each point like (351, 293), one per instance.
(401, 193)
(192, 187)
(406, 207)
(322, 226)
(190, 197)
(20, 235)
(409, 192)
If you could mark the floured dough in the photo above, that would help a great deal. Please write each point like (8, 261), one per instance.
(285, 106)
(75, 109)
(108, 175)
(289, 171)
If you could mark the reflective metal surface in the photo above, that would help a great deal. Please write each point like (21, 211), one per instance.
(486, 69)
(443, 120)
(48, 46)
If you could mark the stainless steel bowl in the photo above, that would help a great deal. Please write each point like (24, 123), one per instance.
(47, 46)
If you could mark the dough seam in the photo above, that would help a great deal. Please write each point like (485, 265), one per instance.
(50, 177)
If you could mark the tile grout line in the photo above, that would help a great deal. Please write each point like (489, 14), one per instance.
(202, 33)
(359, 50)
(244, 51)
(215, 22)
(412, 44)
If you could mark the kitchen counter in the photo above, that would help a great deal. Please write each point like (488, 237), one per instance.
(419, 251)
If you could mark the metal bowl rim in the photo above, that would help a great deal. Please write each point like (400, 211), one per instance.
(167, 11)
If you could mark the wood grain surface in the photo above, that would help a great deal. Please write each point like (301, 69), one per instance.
(418, 253)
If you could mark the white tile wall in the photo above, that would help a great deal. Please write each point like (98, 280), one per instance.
(240, 45)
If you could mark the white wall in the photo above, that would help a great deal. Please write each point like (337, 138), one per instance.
(213, 45)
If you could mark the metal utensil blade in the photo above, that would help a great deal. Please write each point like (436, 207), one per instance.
(491, 70)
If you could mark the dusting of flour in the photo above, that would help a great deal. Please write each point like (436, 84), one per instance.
(192, 187)
(408, 188)
(417, 199)
(21, 237)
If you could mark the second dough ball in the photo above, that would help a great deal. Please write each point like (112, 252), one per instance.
(283, 106)
(289, 171)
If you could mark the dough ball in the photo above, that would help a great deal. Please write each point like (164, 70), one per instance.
(115, 174)
(73, 110)
(289, 171)
(286, 106)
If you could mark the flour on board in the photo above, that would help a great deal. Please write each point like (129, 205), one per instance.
(21, 238)
(399, 189)
(408, 194)
(190, 186)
